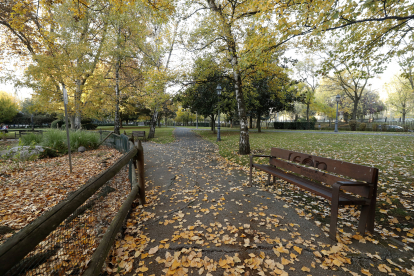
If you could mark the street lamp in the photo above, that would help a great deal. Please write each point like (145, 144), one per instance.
(218, 94)
(338, 97)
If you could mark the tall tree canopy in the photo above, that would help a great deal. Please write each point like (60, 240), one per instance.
(9, 107)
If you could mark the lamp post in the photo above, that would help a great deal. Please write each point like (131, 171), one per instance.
(218, 94)
(338, 97)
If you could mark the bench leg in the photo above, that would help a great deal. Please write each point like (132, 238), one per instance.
(363, 219)
(274, 179)
(268, 179)
(371, 213)
(334, 220)
(334, 211)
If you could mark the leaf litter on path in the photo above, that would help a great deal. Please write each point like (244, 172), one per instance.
(186, 247)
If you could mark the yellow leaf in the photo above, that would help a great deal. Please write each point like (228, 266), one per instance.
(358, 237)
(281, 249)
(317, 254)
(222, 263)
(384, 268)
(298, 249)
(153, 250)
(284, 261)
(306, 269)
(143, 268)
(366, 272)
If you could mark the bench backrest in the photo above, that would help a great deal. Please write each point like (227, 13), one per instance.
(327, 165)
(138, 133)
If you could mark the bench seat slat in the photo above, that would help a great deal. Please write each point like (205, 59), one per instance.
(311, 186)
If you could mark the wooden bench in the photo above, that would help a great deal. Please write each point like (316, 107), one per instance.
(139, 134)
(26, 131)
(308, 171)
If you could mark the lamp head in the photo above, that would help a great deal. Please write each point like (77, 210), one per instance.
(338, 97)
(218, 89)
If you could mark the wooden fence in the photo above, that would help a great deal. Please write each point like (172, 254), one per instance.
(14, 250)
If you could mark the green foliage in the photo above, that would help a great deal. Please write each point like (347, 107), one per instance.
(374, 127)
(353, 125)
(294, 125)
(362, 126)
(55, 122)
(88, 139)
(8, 107)
(28, 139)
(89, 126)
(55, 139)
(406, 128)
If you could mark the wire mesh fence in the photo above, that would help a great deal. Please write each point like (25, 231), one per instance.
(68, 249)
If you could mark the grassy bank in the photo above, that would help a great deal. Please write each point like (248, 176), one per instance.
(393, 155)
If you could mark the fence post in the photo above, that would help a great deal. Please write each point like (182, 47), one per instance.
(141, 178)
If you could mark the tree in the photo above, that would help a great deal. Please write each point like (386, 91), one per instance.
(269, 92)
(351, 77)
(370, 104)
(405, 59)
(239, 32)
(201, 95)
(308, 72)
(9, 107)
(400, 95)
(74, 46)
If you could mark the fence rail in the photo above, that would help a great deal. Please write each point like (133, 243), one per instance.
(45, 246)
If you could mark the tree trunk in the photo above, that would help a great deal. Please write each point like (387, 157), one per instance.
(153, 122)
(72, 120)
(250, 122)
(403, 115)
(117, 115)
(354, 111)
(307, 115)
(244, 143)
(159, 121)
(259, 125)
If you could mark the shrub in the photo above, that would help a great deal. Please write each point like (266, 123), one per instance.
(89, 140)
(294, 125)
(86, 121)
(406, 128)
(374, 127)
(53, 124)
(362, 126)
(55, 139)
(89, 126)
(353, 125)
(30, 138)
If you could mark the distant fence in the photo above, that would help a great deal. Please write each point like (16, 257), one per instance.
(74, 237)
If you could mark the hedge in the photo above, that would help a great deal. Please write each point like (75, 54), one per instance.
(294, 125)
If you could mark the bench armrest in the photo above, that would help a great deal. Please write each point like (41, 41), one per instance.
(255, 155)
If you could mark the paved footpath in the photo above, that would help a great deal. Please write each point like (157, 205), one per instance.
(202, 219)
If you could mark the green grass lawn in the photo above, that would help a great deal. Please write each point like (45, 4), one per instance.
(163, 135)
(392, 155)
